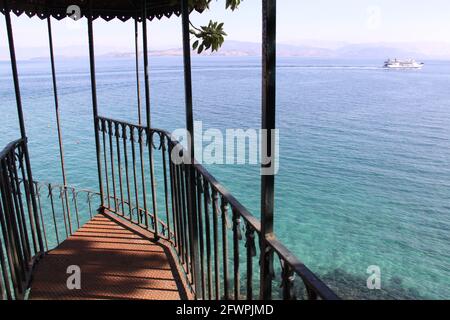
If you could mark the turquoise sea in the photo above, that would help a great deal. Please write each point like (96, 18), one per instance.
(364, 173)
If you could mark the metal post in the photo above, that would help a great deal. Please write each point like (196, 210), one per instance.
(192, 209)
(138, 84)
(23, 134)
(58, 122)
(268, 123)
(94, 101)
(147, 111)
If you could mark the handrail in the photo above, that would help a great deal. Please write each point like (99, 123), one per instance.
(10, 146)
(213, 204)
(213, 236)
(310, 279)
(20, 245)
(252, 220)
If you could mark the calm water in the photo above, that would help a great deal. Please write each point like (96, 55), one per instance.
(365, 153)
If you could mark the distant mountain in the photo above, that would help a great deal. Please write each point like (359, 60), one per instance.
(283, 50)
(344, 50)
(334, 50)
(375, 52)
(310, 49)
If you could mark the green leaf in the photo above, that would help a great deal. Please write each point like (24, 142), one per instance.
(211, 36)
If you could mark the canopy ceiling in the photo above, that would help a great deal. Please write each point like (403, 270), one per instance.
(106, 9)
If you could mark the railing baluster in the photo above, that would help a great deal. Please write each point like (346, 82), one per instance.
(207, 202)
(111, 158)
(144, 193)
(184, 220)
(5, 275)
(69, 217)
(13, 219)
(17, 199)
(12, 265)
(190, 196)
(166, 188)
(119, 165)
(269, 271)
(152, 181)
(237, 236)
(135, 179)
(2, 291)
(103, 126)
(61, 196)
(44, 231)
(127, 175)
(311, 294)
(50, 194)
(215, 203)
(175, 206)
(27, 197)
(287, 280)
(200, 231)
(251, 252)
(224, 209)
(8, 228)
(173, 196)
(178, 199)
(89, 204)
(75, 204)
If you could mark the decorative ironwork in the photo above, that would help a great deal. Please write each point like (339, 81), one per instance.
(19, 221)
(105, 9)
(214, 203)
(287, 280)
(195, 225)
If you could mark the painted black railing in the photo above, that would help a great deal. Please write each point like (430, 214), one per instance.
(53, 213)
(34, 218)
(55, 205)
(129, 181)
(221, 234)
(20, 237)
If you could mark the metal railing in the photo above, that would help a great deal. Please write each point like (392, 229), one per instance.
(216, 244)
(221, 232)
(20, 236)
(34, 218)
(56, 203)
(126, 159)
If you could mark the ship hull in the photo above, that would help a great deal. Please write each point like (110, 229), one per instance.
(402, 64)
(403, 67)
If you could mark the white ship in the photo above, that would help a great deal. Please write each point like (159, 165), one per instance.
(403, 64)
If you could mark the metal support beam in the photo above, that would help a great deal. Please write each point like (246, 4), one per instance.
(148, 116)
(94, 100)
(268, 123)
(58, 122)
(138, 83)
(12, 52)
(23, 134)
(192, 208)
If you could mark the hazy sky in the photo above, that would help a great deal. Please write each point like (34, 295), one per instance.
(352, 21)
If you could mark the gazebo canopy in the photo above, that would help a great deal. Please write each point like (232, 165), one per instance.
(106, 9)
